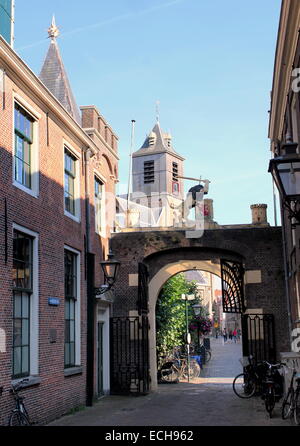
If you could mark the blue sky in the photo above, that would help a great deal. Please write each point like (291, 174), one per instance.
(209, 63)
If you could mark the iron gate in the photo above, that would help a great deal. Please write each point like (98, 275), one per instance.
(232, 276)
(259, 336)
(129, 355)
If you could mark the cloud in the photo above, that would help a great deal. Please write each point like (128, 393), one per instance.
(113, 20)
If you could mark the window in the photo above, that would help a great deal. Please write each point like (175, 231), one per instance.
(148, 172)
(98, 205)
(71, 294)
(22, 295)
(70, 176)
(175, 171)
(23, 147)
(175, 187)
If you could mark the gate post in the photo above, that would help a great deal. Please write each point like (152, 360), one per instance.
(245, 343)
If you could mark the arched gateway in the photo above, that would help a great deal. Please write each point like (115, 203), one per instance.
(249, 262)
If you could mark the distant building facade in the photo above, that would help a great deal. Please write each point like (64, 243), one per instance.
(7, 20)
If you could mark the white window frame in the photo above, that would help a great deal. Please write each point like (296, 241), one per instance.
(67, 146)
(102, 231)
(34, 161)
(34, 300)
(77, 306)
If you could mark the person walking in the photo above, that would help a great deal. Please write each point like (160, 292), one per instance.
(239, 334)
(234, 334)
(230, 335)
(225, 335)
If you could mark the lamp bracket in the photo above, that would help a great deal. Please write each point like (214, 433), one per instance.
(102, 289)
(293, 208)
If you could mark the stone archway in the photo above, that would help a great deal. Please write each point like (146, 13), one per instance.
(155, 285)
(165, 253)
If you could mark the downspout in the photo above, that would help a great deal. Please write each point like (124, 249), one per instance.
(287, 290)
(90, 262)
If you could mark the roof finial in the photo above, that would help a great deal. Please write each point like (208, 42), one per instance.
(157, 110)
(53, 31)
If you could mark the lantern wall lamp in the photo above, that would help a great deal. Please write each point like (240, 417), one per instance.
(110, 268)
(285, 170)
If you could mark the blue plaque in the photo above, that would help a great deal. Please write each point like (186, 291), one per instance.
(54, 301)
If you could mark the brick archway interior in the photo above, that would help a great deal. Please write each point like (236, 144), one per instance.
(155, 285)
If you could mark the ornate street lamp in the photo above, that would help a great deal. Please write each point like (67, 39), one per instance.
(110, 268)
(285, 170)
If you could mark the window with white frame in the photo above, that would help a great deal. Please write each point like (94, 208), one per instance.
(70, 178)
(25, 304)
(99, 194)
(72, 316)
(23, 158)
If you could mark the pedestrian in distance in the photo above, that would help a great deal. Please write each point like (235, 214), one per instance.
(239, 335)
(234, 334)
(230, 335)
(225, 335)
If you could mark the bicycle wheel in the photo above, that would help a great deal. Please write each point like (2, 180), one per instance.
(297, 407)
(18, 419)
(207, 356)
(286, 408)
(194, 370)
(270, 401)
(243, 386)
(170, 374)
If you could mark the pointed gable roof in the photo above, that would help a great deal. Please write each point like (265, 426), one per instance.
(54, 76)
(157, 142)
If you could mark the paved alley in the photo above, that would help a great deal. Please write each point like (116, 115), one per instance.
(206, 401)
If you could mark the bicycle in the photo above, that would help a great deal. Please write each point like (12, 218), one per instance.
(249, 383)
(200, 350)
(19, 415)
(291, 402)
(176, 369)
(273, 386)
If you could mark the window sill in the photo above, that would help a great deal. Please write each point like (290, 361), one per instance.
(31, 381)
(73, 217)
(77, 370)
(28, 191)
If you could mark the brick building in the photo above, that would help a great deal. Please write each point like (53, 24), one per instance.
(59, 167)
(284, 127)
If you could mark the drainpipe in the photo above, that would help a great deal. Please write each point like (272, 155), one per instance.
(90, 271)
(87, 158)
(286, 274)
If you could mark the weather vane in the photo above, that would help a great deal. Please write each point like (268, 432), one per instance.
(157, 110)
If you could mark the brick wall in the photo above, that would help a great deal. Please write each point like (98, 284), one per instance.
(56, 393)
(258, 249)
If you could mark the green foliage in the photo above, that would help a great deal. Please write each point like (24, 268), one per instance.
(170, 313)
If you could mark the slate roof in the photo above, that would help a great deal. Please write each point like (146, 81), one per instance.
(160, 143)
(54, 77)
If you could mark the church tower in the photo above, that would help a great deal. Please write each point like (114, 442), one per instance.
(156, 169)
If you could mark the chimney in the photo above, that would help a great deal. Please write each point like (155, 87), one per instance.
(259, 214)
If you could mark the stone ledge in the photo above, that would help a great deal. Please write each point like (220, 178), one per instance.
(30, 381)
(73, 371)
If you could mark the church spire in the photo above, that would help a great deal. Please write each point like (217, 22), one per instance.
(54, 76)
(53, 31)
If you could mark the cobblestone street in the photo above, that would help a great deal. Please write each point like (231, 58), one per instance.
(206, 401)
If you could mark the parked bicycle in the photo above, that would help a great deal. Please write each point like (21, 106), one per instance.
(272, 386)
(291, 403)
(19, 415)
(199, 350)
(173, 371)
(249, 383)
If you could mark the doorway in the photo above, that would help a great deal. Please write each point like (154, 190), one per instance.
(100, 364)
